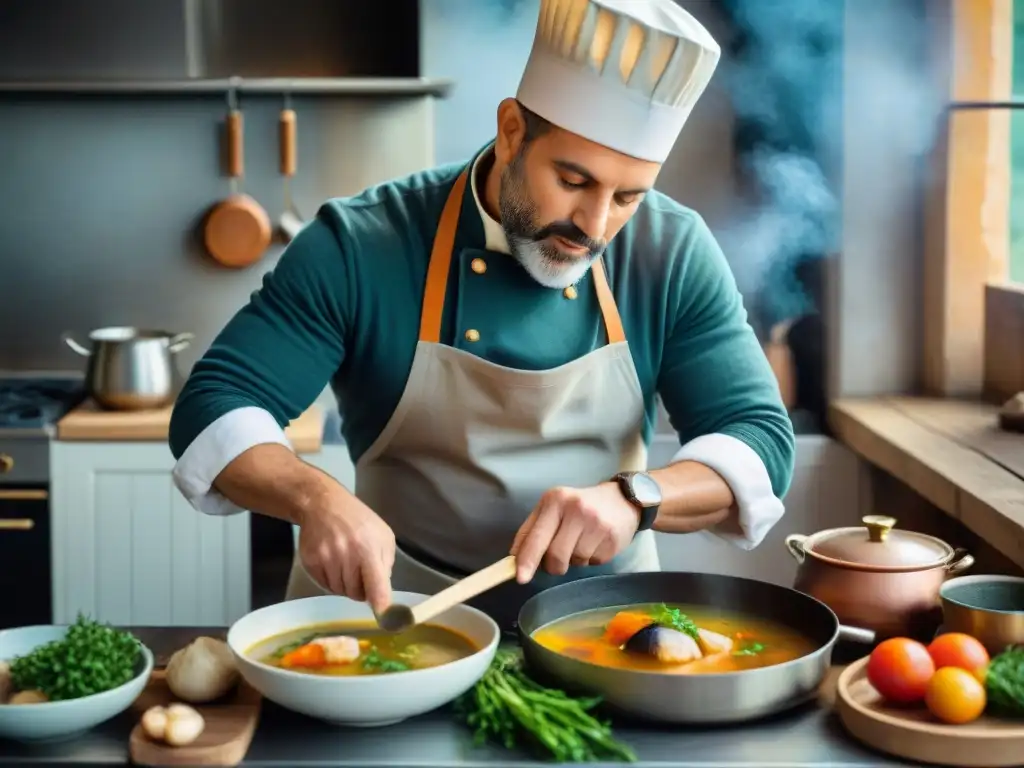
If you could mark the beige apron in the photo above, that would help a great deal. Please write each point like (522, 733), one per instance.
(473, 445)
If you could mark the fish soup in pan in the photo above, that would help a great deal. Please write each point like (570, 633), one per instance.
(673, 638)
(682, 648)
(350, 648)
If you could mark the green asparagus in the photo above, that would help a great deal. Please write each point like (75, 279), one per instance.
(508, 708)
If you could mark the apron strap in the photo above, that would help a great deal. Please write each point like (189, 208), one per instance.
(440, 264)
(609, 310)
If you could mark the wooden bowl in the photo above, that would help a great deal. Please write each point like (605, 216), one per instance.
(913, 733)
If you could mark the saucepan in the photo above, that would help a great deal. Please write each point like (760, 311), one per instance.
(674, 695)
(131, 369)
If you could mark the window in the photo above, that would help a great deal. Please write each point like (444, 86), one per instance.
(974, 220)
(1016, 270)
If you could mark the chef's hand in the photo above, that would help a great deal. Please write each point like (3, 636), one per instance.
(346, 547)
(574, 526)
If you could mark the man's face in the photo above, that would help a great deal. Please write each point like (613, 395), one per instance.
(563, 198)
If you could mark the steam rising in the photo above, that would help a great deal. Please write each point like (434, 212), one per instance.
(784, 77)
(786, 80)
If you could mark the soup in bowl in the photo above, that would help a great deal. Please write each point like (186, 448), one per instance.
(326, 658)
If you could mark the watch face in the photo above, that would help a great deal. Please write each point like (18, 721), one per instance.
(646, 490)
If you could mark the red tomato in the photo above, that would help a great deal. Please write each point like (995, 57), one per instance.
(955, 649)
(900, 669)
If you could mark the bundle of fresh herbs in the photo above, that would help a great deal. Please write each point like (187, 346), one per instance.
(508, 708)
(1004, 682)
(91, 658)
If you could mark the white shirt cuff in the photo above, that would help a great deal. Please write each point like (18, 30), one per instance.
(218, 445)
(747, 477)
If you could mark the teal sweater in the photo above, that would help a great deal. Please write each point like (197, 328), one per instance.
(343, 305)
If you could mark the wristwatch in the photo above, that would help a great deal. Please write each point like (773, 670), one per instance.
(642, 491)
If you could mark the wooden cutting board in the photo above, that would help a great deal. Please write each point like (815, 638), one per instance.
(230, 725)
(912, 733)
(90, 422)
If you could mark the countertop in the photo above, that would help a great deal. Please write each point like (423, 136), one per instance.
(949, 451)
(807, 737)
(89, 422)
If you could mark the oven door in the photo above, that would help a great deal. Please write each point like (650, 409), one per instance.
(26, 590)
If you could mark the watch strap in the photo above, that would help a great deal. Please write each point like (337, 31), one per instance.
(647, 513)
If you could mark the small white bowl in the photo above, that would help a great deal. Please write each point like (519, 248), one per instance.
(60, 720)
(364, 700)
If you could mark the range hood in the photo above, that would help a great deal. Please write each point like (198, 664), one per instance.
(128, 40)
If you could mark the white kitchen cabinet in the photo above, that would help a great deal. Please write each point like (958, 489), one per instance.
(129, 550)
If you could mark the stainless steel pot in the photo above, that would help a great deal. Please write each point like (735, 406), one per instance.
(727, 697)
(131, 369)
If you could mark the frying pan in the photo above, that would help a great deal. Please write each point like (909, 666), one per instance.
(237, 230)
(726, 697)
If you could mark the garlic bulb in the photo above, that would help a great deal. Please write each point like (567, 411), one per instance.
(202, 671)
(177, 725)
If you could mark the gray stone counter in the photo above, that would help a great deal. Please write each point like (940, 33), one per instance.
(802, 738)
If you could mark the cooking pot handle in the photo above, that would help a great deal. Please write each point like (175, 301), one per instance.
(856, 635)
(960, 561)
(179, 342)
(75, 346)
(795, 545)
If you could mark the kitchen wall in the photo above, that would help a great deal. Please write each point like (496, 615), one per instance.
(100, 202)
(101, 198)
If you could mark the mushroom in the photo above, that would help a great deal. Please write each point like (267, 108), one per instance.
(202, 671)
(177, 725)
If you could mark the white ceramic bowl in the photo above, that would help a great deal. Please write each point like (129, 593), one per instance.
(367, 700)
(59, 720)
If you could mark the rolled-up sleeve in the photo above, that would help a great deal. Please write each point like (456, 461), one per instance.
(267, 366)
(720, 392)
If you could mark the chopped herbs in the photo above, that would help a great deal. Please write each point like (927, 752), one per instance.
(373, 661)
(675, 619)
(748, 648)
(91, 658)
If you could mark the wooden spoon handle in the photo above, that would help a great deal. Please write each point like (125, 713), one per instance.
(286, 124)
(235, 147)
(469, 587)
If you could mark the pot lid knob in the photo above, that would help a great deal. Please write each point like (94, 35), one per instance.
(878, 526)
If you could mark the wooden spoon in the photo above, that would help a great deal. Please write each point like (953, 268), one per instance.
(398, 618)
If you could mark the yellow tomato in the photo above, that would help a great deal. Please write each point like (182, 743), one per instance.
(955, 696)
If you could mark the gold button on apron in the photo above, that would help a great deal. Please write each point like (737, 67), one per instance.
(478, 265)
(570, 292)
(472, 335)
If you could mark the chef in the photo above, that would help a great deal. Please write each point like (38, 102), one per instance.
(497, 334)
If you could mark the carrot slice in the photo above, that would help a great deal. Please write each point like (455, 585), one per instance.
(310, 655)
(624, 625)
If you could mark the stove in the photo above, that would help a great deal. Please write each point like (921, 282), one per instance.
(30, 408)
(30, 405)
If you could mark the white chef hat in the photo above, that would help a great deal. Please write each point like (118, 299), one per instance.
(622, 73)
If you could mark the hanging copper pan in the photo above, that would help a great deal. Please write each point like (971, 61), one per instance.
(238, 229)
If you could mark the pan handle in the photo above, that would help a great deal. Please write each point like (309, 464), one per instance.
(75, 346)
(857, 635)
(795, 545)
(180, 341)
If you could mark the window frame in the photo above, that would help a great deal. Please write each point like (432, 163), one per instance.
(969, 306)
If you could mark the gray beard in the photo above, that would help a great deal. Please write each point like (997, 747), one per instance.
(548, 269)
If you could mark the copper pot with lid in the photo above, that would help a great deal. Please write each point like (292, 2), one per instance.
(876, 576)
